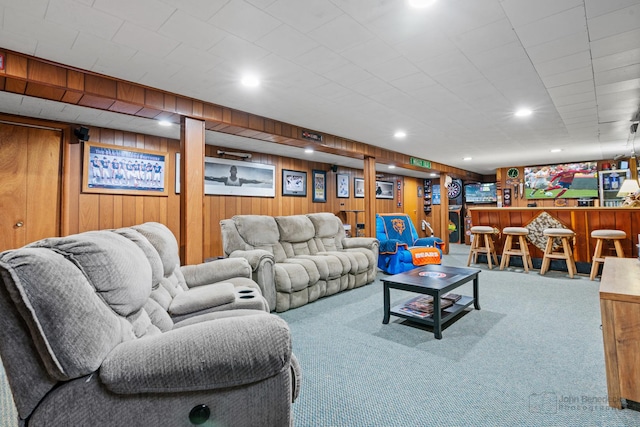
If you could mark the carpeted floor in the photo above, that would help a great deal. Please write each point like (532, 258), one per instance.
(532, 356)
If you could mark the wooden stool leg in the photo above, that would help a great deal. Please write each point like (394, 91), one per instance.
(571, 266)
(595, 261)
(472, 252)
(619, 251)
(487, 245)
(505, 252)
(493, 251)
(526, 257)
(546, 260)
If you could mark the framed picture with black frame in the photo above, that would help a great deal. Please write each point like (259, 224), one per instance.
(384, 190)
(342, 186)
(319, 179)
(358, 188)
(294, 183)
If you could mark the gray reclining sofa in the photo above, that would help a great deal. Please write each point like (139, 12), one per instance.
(84, 342)
(297, 259)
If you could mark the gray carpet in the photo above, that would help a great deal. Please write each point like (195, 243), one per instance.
(532, 356)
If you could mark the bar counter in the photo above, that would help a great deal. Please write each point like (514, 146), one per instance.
(582, 220)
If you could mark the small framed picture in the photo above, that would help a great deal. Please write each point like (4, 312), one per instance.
(384, 190)
(294, 183)
(319, 179)
(358, 188)
(342, 186)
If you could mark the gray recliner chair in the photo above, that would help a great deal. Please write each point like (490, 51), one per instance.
(83, 343)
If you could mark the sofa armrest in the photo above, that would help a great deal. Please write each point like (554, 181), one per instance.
(221, 353)
(215, 271)
(262, 272)
(361, 242)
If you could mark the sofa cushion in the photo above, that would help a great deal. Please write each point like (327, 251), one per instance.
(295, 228)
(157, 269)
(259, 231)
(63, 312)
(165, 244)
(201, 298)
(114, 265)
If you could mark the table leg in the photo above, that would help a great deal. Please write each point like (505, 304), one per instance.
(387, 307)
(476, 301)
(437, 317)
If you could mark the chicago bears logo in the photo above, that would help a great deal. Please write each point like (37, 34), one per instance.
(398, 225)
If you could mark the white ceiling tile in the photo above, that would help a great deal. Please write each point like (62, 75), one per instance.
(430, 44)
(523, 12)
(23, 24)
(321, 60)
(632, 85)
(599, 7)
(618, 60)
(84, 18)
(620, 74)
(348, 75)
(559, 48)
(203, 61)
(486, 38)
(35, 8)
(574, 99)
(144, 40)
(394, 69)
(572, 88)
(201, 35)
(615, 44)
(306, 15)
(573, 76)
(330, 91)
(340, 34)
(371, 86)
(18, 42)
(413, 82)
(561, 65)
(499, 57)
(553, 27)
(240, 52)
(150, 14)
(244, 20)
(287, 42)
(201, 9)
(615, 22)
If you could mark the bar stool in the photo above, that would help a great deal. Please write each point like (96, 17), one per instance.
(482, 243)
(521, 251)
(601, 236)
(564, 234)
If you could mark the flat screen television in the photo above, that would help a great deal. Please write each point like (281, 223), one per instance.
(477, 193)
(562, 181)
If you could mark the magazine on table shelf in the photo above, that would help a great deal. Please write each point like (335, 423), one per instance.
(422, 305)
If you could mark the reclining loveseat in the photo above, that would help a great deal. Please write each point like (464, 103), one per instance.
(84, 342)
(297, 259)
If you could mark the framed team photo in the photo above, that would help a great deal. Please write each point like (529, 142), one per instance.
(113, 169)
(319, 179)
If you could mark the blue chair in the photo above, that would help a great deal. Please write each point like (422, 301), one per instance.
(400, 247)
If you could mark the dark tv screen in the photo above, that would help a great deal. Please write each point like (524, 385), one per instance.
(481, 193)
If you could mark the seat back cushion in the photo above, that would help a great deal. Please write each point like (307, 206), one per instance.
(329, 231)
(81, 296)
(296, 235)
(260, 232)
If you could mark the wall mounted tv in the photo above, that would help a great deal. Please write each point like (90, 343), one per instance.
(564, 181)
(477, 193)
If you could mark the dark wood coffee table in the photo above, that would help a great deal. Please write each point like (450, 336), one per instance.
(437, 281)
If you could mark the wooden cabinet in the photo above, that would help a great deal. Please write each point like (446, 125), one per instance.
(620, 310)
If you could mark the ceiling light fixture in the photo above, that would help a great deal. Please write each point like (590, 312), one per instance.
(420, 4)
(250, 81)
(556, 150)
(164, 123)
(400, 134)
(308, 150)
(466, 159)
(523, 112)
(392, 167)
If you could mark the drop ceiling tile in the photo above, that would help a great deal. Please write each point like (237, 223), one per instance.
(201, 9)
(598, 7)
(394, 69)
(141, 39)
(560, 47)
(340, 34)
(371, 87)
(568, 100)
(615, 44)
(622, 59)
(330, 91)
(369, 53)
(239, 51)
(573, 76)
(321, 60)
(615, 22)
(632, 85)
(84, 18)
(499, 57)
(423, 47)
(348, 75)
(244, 20)
(488, 37)
(35, 8)
(571, 88)
(201, 35)
(413, 82)
(287, 42)
(32, 28)
(524, 12)
(149, 14)
(306, 15)
(203, 61)
(562, 65)
(620, 74)
(553, 27)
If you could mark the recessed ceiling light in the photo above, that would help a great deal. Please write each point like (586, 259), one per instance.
(392, 167)
(523, 112)
(164, 123)
(308, 150)
(433, 174)
(250, 81)
(400, 134)
(466, 159)
(420, 4)
(556, 150)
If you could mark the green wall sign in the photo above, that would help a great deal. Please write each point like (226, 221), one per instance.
(420, 162)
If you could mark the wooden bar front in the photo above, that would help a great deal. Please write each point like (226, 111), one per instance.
(582, 220)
